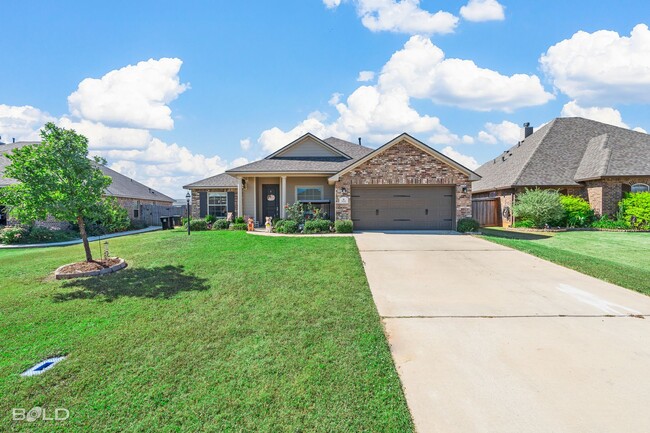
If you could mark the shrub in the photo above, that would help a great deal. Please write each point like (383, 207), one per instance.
(539, 206)
(210, 219)
(295, 212)
(13, 235)
(288, 226)
(239, 220)
(606, 222)
(138, 225)
(277, 224)
(240, 226)
(42, 235)
(198, 225)
(525, 224)
(221, 224)
(577, 211)
(317, 226)
(467, 225)
(343, 226)
(635, 210)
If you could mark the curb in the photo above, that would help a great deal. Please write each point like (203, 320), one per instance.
(61, 276)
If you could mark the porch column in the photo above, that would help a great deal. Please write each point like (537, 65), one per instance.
(239, 197)
(255, 199)
(283, 196)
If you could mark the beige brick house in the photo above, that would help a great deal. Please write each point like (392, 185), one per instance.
(402, 185)
(576, 156)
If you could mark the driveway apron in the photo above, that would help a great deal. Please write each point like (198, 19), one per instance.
(490, 339)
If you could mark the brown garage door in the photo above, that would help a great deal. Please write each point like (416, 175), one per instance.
(403, 207)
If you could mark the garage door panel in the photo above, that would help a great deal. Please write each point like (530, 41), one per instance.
(403, 207)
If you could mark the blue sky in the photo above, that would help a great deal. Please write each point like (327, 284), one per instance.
(174, 92)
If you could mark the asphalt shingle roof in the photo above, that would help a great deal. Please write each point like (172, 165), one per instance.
(222, 180)
(566, 151)
(122, 186)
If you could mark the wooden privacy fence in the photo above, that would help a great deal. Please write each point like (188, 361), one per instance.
(151, 213)
(487, 211)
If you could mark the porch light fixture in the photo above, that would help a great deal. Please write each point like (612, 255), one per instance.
(344, 190)
(187, 197)
(463, 188)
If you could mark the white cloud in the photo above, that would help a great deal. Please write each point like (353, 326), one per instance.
(365, 76)
(22, 122)
(483, 10)
(134, 96)
(601, 114)
(404, 16)
(602, 67)
(421, 68)
(331, 4)
(335, 98)
(245, 144)
(505, 132)
(466, 160)
(104, 137)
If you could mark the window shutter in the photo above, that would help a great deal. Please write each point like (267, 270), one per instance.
(231, 202)
(203, 204)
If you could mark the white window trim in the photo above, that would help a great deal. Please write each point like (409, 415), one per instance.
(319, 187)
(217, 194)
(640, 184)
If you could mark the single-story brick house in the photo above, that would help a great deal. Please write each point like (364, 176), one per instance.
(403, 184)
(130, 194)
(576, 156)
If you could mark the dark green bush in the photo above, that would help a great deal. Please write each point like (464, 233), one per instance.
(210, 219)
(605, 222)
(137, 225)
(240, 226)
(39, 235)
(221, 224)
(288, 226)
(13, 235)
(467, 225)
(524, 224)
(277, 224)
(635, 210)
(577, 211)
(540, 206)
(239, 220)
(198, 225)
(317, 226)
(343, 226)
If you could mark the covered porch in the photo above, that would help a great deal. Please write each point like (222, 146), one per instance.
(266, 195)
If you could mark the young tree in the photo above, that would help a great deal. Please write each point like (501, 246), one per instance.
(56, 178)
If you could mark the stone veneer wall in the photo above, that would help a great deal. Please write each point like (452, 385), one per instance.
(403, 164)
(195, 198)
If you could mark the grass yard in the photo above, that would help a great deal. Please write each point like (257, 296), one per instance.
(218, 331)
(617, 257)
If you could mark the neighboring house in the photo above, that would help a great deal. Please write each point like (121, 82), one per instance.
(139, 200)
(404, 184)
(576, 156)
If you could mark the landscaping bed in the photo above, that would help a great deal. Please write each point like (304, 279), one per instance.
(90, 269)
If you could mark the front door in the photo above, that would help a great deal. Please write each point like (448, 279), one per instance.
(270, 201)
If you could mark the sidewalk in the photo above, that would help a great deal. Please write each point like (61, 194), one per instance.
(78, 241)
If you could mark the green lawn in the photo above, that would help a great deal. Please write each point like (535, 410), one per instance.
(219, 331)
(618, 257)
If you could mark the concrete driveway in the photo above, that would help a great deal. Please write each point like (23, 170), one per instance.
(489, 339)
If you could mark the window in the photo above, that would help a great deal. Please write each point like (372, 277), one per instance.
(640, 187)
(136, 213)
(218, 204)
(308, 193)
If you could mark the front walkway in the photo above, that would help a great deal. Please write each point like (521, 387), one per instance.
(489, 339)
(78, 241)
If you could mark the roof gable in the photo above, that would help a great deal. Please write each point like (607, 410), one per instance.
(308, 146)
(415, 142)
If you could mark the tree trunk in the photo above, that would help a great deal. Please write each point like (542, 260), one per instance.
(84, 238)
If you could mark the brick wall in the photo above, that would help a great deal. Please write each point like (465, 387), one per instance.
(604, 194)
(403, 164)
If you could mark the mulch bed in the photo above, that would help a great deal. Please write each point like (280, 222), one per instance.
(95, 265)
